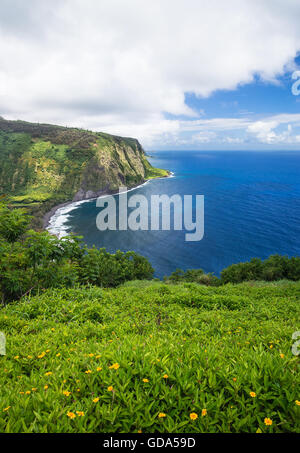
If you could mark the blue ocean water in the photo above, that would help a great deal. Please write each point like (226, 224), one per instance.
(252, 209)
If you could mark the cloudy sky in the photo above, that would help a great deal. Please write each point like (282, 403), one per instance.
(176, 74)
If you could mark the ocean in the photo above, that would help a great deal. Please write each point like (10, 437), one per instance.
(252, 209)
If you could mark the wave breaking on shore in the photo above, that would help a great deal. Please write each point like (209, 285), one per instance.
(57, 223)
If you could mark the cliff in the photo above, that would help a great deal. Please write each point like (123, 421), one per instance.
(44, 165)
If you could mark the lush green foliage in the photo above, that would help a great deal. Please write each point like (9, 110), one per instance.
(193, 276)
(146, 356)
(30, 261)
(44, 165)
(13, 223)
(275, 268)
(114, 359)
(152, 172)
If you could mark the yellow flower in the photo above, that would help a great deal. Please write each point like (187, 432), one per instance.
(268, 421)
(96, 400)
(115, 366)
(162, 415)
(71, 415)
(29, 357)
(252, 394)
(34, 389)
(66, 393)
(99, 368)
(204, 412)
(110, 388)
(53, 330)
(78, 390)
(146, 381)
(165, 376)
(41, 355)
(234, 379)
(88, 371)
(193, 416)
(46, 387)
(91, 355)
(6, 409)
(17, 357)
(58, 355)
(48, 373)
(282, 356)
(297, 402)
(80, 413)
(271, 346)
(21, 393)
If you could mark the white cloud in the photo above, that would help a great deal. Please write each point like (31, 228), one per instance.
(118, 65)
(265, 130)
(203, 137)
(270, 130)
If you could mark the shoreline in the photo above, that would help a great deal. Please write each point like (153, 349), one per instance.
(69, 206)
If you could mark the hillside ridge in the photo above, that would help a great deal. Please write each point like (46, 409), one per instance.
(45, 165)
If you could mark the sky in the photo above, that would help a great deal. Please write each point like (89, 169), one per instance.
(176, 74)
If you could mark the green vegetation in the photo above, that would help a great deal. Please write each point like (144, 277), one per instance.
(274, 268)
(31, 261)
(193, 276)
(45, 165)
(94, 347)
(152, 173)
(116, 359)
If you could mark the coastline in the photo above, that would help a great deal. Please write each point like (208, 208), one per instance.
(47, 217)
(64, 208)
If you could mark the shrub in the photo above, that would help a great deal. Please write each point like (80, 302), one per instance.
(13, 223)
(98, 267)
(274, 268)
(192, 276)
(31, 261)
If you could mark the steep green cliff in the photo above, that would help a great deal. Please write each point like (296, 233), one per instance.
(43, 165)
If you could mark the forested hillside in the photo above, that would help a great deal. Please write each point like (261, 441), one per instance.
(44, 165)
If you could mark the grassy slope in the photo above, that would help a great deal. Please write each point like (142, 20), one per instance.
(44, 165)
(215, 344)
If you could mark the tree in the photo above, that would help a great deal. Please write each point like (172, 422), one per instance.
(13, 222)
